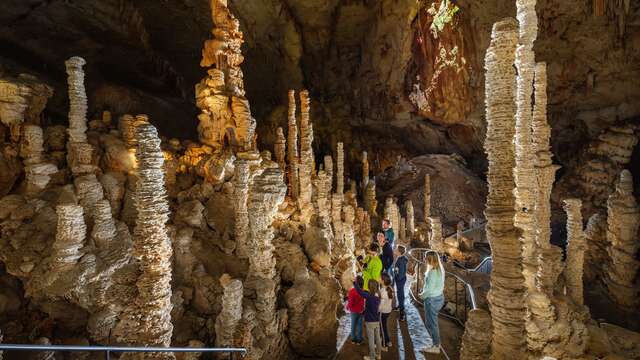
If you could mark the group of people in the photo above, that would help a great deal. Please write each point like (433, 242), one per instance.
(371, 299)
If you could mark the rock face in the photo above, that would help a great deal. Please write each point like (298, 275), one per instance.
(22, 100)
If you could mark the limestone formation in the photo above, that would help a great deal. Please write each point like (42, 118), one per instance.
(328, 167)
(623, 221)
(279, 148)
(147, 320)
(104, 228)
(89, 192)
(70, 236)
(370, 202)
(340, 169)
(411, 224)
(240, 196)
(365, 169)
(402, 230)
(225, 117)
(22, 100)
(305, 167)
(348, 275)
(339, 249)
(292, 147)
(575, 250)
(476, 344)
(595, 256)
(436, 241)
(37, 171)
(231, 314)
(506, 297)
(426, 211)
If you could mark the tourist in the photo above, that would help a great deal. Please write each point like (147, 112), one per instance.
(433, 298)
(386, 300)
(401, 278)
(387, 254)
(355, 305)
(372, 318)
(388, 231)
(373, 267)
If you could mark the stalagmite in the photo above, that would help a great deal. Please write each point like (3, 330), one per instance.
(623, 221)
(365, 169)
(231, 314)
(306, 152)
(370, 202)
(340, 169)
(225, 117)
(595, 257)
(435, 240)
(292, 147)
(22, 101)
(402, 230)
(575, 250)
(37, 171)
(339, 249)
(476, 345)
(104, 228)
(240, 195)
(279, 148)
(328, 167)
(411, 222)
(89, 192)
(70, 236)
(147, 321)
(426, 210)
(506, 297)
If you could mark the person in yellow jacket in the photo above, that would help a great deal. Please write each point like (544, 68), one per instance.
(373, 267)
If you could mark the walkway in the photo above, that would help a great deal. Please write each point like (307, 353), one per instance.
(407, 337)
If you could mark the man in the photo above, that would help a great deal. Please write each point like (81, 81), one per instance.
(373, 267)
(388, 231)
(387, 254)
(401, 278)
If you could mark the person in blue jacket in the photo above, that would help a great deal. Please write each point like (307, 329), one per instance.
(372, 317)
(388, 231)
(401, 278)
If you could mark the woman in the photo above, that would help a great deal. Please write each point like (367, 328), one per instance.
(433, 297)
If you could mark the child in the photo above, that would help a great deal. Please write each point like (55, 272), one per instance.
(372, 318)
(386, 301)
(355, 305)
(373, 269)
(433, 297)
(401, 278)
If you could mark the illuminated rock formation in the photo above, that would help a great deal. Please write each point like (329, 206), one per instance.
(22, 100)
(365, 169)
(231, 314)
(240, 195)
(328, 167)
(104, 228)
(70, 236)
(506, 297)
(89, 192)
(305, 166)
(225, 114)
(476, 340)
(426, 210)
(575, 250)
(147, 320)
(595, 256)
(623, 221)
(340, 169)
(37, 171)
(402, 230)
(279, 148)
(338, 249)
(370, 202)
(411, 220)
(348, 274)
(292, 147)
(114, 188)
(436, 241)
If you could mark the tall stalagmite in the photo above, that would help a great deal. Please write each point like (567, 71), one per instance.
(231, 314)
(506, 297)
(70, 237)
(305, 167)
(279, 148)
(340, 169)
(240, 195)
(426, 194)
(623, 221)
(411, 220)
(292, 147)
(365, 169)
(370, 202)
(575, 250)
(37, 171)
(436, 241)
(80, 152)
(225, 117)
(147, 321)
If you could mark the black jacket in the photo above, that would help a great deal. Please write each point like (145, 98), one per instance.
(387, 256)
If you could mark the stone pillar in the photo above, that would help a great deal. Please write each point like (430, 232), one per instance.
(104, 227)
(231, 314)
(370, 202)
(292, 147)
(506, 297)
(575, 250)
(328, 168)
(306, 152)
(279, 148)
(340, 170)
(476, 340)
(435, 239)
(240, 196)
(623, 221)
(365, 169)
(37, 171)
(402, 230)
(89, 192)
(426, 194)
(596, 255)
(339, 249)
(411, 220)
(70, 235)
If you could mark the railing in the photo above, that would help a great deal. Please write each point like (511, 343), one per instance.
(463, 303)
(485, 266)
(107, 350)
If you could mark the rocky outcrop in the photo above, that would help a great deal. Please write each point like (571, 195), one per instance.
(506, 297)
(476, 340)
(22, 100)
(623, 222)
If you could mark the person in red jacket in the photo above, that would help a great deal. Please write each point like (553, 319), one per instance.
(355, 305)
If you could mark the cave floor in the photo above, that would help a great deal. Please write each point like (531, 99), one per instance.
(407, 337)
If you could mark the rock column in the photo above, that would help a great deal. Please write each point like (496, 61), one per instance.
(292, 147)
(231, 314)
(340, 170)
(240, 195)
(280, 149)
(411, 224)
(365, 169)
(575, 250)
(37, 171)
(305, 169)
(70, 235)
(435, 240)
(80, 152)
(426, 194)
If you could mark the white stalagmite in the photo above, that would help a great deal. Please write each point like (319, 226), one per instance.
(104, 227)
(147, 321)
(80, 152)
(426, 194)
(402, 230)
(365, 169)
(240, 195)
(411, 220)
(279, 148)
(340, 169)
(305, 168)
(623, 221)
(506, 297)
(231, 314)
(89, 192)
(37, 171)
(575, 250)
(292, 147)
(370, 202)
(70, 236)
(339, 249)
(328, 167)
(436, 241)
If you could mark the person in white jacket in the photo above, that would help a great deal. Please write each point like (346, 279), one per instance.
(386, 306)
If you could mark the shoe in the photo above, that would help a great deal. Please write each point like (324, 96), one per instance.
(378, 357)
(432, 349)
(366, 357)
(385, 349)
(354, 342)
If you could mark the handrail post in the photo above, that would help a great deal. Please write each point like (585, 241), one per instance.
(107, 355)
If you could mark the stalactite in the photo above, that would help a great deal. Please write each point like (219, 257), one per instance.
(279, 148)
(426, 194)
(292, 147)
(506, 297)
(240, 195)
(575, 250)
(231, 314)
(340, 169)
(147, 321)
(411, 220)
(365, 169)
(623, 221)
(70, 235)
(305, 167)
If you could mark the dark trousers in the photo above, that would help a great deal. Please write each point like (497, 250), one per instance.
(400, 292)
(385, 329)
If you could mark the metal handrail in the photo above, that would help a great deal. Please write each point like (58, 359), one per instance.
(474, 269)
(109, 349)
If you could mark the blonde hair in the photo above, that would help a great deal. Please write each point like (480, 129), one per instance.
(433, 260)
